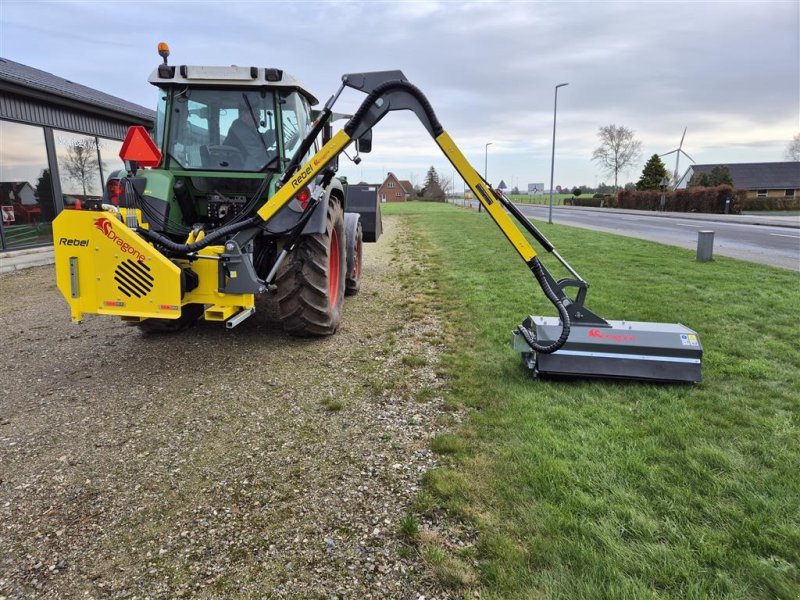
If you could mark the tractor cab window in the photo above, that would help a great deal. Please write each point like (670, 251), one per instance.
(161, 117)
(295, 119)
(222, 130)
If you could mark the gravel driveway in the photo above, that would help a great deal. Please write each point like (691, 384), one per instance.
(214, 463)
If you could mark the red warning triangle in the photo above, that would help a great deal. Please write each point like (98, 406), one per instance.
(139, 146)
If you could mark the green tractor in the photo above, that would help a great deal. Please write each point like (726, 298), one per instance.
(227, 135)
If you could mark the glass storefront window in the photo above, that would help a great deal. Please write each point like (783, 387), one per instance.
(109, 157)
(78, 167)
(26, 193)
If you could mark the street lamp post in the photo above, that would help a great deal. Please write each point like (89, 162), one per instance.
(485, 167)
(553, 155)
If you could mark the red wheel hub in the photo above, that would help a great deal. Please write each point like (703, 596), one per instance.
(334, 269)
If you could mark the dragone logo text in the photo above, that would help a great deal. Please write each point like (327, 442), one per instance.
(614, 337)
(104, 225)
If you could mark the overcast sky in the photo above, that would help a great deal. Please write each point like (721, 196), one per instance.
(728, 71)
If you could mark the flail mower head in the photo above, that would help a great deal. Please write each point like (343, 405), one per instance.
(659, 352)
(579, 343)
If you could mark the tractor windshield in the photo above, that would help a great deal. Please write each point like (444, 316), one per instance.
(222, 130)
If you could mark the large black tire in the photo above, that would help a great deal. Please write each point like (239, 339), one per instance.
(355, 246)
(189, 315)
(311, 280)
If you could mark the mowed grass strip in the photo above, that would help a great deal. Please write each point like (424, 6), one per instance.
(618, 489)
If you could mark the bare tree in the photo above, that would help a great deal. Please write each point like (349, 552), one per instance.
(618, 150)
(82, 166)
(793, 149)
(446, 183)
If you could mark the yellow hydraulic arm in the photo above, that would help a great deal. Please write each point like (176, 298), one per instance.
(337, 144)
(389, 91)
(406, 97)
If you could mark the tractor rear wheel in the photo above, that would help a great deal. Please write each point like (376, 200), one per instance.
(311, 280)
(355, 248)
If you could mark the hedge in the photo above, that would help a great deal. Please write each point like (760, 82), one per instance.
(696, 199)
(785, 203)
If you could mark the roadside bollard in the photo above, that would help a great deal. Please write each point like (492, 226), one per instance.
(705, 245)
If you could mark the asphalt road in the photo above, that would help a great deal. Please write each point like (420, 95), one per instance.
(775, 246)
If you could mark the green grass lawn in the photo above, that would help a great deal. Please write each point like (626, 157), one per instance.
(613, 489)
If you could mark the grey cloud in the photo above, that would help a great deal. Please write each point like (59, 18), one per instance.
(488, 68)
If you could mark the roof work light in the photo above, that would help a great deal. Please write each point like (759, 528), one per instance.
(163, 51)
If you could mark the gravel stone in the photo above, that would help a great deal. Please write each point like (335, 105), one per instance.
(216, 463)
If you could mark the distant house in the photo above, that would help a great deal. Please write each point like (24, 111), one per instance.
(19, 202)
(395, 190)
(760, 180)
(18, 192)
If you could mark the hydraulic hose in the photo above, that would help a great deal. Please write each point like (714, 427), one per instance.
(539, 272)
(380, 90)
(212, 237)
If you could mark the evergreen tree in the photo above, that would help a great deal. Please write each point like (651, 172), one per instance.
(720, 175)
(699, 179)
(653, 174)
(432, 190)
(44, 194)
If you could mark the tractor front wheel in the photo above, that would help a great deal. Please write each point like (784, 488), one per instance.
(355, 249)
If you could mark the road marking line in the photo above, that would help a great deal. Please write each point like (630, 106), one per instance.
(685, 225)
(794, 237)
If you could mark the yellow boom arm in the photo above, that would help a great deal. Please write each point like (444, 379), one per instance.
(388, 91)
(338, 143)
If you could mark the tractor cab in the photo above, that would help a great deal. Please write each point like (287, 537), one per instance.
(229, 119)
(215, 129)
(226, 134)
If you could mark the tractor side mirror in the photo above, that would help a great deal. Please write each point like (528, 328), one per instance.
(364, 143)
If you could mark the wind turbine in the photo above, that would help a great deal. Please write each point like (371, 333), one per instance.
(677, 152)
